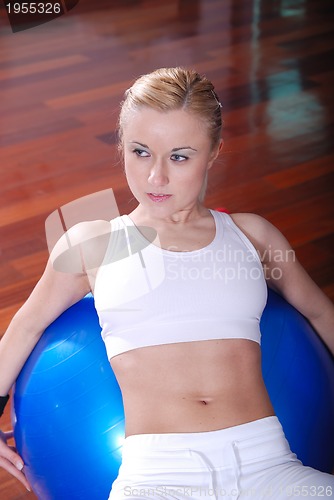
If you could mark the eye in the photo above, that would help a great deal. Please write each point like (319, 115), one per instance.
(141, 153)
(178, 158)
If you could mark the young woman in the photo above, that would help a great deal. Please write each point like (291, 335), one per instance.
(180, 316)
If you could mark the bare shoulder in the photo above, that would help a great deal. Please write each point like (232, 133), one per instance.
(249, 221)
(272, 246)
(84, 231)
(82, 247)
(259, 230)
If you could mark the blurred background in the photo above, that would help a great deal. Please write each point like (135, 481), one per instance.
(61, 84)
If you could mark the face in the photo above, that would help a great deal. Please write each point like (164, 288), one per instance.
(166, 156)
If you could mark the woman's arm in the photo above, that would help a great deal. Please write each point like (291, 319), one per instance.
(55, 292)
(285, 274)
(65, 280)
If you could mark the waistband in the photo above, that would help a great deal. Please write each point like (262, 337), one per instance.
(214, 444)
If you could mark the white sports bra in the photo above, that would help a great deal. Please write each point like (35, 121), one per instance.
(146, 296)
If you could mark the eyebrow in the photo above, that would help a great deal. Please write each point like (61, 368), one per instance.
(139, 144)
(183, 147)
(173, 150)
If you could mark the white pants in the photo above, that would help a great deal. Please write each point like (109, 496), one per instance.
(249, 461)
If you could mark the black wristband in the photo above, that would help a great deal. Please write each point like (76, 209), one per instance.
(3, 402)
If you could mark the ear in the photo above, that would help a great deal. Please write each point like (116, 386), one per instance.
(215, 152)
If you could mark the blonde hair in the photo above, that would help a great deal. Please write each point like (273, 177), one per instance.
(168, 89)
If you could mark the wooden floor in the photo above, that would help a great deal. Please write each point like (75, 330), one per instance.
(61, 84)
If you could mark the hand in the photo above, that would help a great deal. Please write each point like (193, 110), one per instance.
(10, 460)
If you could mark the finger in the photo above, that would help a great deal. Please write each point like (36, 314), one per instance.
(10, 460)
(9, 455)
(14, 471)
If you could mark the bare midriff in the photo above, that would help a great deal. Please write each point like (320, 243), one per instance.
(192, 386)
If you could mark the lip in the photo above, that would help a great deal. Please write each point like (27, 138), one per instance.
(158, 198)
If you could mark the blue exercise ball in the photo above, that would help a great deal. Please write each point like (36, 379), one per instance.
(298, 371)
(68, 411)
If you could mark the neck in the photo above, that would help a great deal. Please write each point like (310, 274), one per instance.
(182, 216)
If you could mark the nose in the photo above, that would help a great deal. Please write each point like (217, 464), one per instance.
(158, 175)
